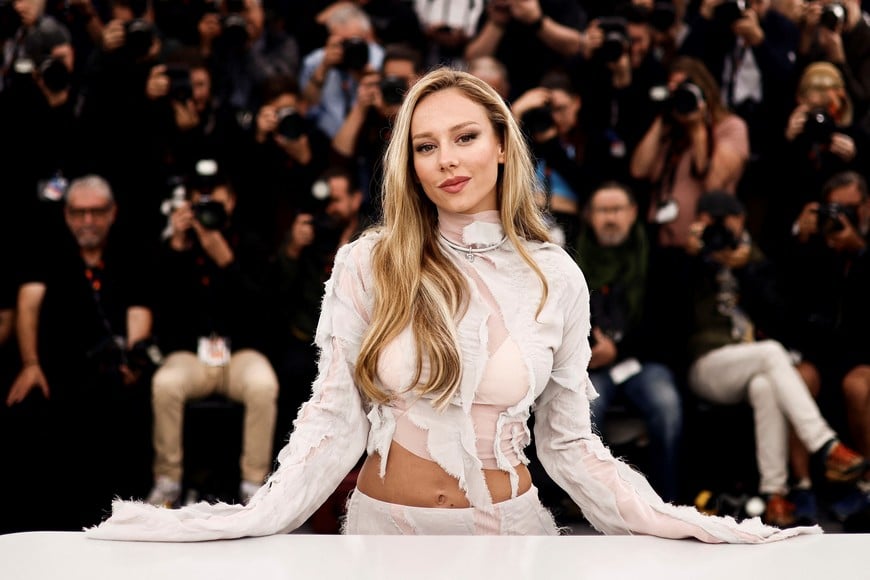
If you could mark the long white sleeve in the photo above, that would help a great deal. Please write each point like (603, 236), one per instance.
(328, 439)
(614, 498)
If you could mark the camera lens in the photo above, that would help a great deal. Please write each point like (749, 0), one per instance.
(355, 54)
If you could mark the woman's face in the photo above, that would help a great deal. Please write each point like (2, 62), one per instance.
(455, 152)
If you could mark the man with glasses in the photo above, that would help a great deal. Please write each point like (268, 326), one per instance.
(83, 317)
(612, 251)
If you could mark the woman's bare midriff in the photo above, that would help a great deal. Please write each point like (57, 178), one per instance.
(413, 481)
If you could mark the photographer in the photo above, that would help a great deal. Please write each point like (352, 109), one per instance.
(84, 336)
(618, 79)
(838, 32)
(243, 51)
(529, 36)
(37, 114)
(363, 136)
(187, 123)
(613, 252)
(750, 49)
(821, 139)
(331, 75)
(210, 316)
(278, 161)
(117, 117)
(732, 293)
(299, 269)
(827, 273)
(37, 36)
(695, 145)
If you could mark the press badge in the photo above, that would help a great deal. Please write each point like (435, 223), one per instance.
(214, 350)
(624, 370)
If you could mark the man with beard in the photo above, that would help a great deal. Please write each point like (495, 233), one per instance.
(300, 269)
(83, 317)
(612, 251)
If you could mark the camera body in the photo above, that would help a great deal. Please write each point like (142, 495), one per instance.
(393, 90)
(819, 126)
(833, 16)
(717, 237)
(686, 98)
(355, 54)
(55, 75)
(138, 37)
(662, 16)
(180, 85)
(729, 12)
(616, 41)
(538, 120)
(210, 213)
(291, 125)
(828, 216)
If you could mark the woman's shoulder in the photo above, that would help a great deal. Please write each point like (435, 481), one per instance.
(557, 264)
(356, 255)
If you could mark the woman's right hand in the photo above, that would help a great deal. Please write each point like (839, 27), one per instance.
(808, 221)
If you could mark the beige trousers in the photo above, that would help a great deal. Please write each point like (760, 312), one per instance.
(248, 379)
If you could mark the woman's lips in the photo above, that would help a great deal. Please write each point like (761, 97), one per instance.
(454, 185)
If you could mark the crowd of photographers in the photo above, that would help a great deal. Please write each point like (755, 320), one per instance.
(181, 172)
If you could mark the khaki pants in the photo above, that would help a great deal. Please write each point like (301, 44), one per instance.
(248, 379)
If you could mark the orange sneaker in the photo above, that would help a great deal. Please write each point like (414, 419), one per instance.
(779, 511)
(842, 464)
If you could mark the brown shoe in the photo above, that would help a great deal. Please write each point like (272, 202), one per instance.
(843, 464)
(779, 512)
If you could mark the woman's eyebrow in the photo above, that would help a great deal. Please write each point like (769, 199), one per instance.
(450, 130)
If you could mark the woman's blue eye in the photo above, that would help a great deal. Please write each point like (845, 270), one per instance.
(423, 148)
(467, 137)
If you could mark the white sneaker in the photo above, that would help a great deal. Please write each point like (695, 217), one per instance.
(165, 492)
(247, 489)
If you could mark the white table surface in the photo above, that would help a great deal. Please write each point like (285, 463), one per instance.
(69, 555)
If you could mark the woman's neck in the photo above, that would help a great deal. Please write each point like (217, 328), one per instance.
(474, 230)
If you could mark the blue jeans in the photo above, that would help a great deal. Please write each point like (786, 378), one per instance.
(652, 392)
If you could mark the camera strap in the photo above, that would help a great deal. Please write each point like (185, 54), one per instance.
(95, 276)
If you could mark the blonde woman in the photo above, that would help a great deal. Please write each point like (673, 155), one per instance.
(440, 331)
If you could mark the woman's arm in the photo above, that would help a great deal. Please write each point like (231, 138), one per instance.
(328, 439)
(648, 153)
(614, 498)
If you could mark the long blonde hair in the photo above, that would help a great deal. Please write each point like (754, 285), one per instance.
(415, 283)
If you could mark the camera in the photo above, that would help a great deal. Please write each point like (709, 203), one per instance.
(538, 120)
(717, 237)
(616, 41)
(291, 125)
(210, 213)
(138, 37)
(355, 54)
(111, 353)
(819, 126)
(686, 98)
(729, 12)
(180, 86)
(833, 16)
(828, 216)
(55, 75)
(393, 90)
(663, 16)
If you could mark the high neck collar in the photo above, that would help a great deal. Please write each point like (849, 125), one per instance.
(471, 230)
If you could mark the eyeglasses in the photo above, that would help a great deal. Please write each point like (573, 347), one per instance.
(95, 212)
